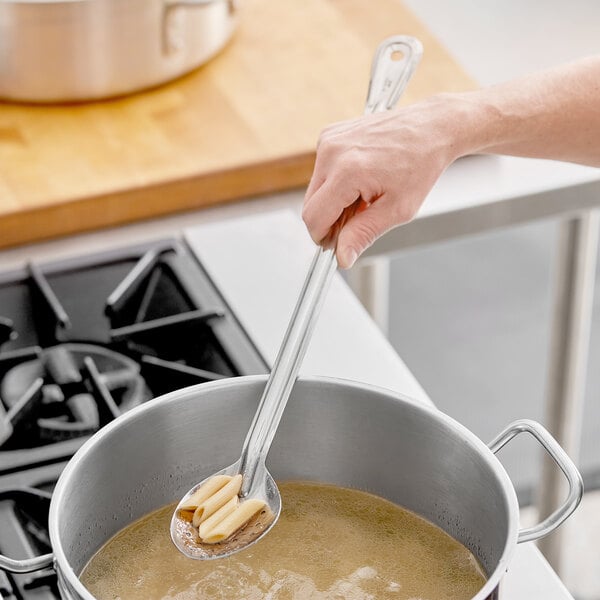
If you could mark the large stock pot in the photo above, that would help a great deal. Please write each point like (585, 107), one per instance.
(72, 50)
(335, 431)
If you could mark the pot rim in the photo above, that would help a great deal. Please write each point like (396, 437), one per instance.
(72, 579)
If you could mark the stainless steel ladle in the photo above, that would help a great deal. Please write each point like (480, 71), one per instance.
(393, 65)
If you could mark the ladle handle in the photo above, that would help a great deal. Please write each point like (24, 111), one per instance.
(393, 64)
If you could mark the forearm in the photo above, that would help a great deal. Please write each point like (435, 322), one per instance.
(553, 114)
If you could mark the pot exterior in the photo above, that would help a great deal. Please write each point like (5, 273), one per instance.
(66, 591)
(338, 432)
(75, 50)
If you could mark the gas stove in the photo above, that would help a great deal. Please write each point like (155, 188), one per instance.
(82, 341)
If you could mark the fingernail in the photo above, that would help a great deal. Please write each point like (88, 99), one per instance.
(350, 256)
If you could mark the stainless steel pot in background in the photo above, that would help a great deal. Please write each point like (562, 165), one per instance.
(73, 50)
(341, 432)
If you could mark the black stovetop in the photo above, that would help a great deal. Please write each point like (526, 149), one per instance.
(81, 341)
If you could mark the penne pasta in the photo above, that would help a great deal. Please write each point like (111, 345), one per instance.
(215, 509)
(217, 517)
(214, 502)
(212, 486)
(237, 519)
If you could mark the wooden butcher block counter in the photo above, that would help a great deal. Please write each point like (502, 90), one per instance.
(242, 125)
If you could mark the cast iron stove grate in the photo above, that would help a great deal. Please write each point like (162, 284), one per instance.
(85, 339)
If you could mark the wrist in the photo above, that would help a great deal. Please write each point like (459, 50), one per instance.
(472, 123)
(492, 121)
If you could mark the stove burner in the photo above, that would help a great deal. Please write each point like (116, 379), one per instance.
(66, 391)
(84, 339)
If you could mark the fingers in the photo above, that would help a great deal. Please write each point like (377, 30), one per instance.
(361, 231)
(366, 226)
(334, 183)
(324, 207)
(316, 181)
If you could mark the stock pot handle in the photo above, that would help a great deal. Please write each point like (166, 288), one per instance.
(566, 465)
(170, 30)
(26, 565)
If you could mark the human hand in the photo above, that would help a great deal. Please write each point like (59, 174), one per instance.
(390, 161)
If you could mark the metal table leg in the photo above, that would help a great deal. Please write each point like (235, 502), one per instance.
(576, 271)
(370, 281)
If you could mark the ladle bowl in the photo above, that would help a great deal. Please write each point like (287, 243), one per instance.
(264, 488)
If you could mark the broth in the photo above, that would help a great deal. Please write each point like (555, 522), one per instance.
(329, 543)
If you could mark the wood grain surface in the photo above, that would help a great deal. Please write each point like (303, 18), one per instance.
(244, 124)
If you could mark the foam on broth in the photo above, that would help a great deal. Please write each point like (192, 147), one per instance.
(329, 543)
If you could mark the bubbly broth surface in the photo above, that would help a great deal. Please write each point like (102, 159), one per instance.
(329, 543)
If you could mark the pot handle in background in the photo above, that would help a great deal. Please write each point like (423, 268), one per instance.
(171, 27)
(566, 465)
(25, 565)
